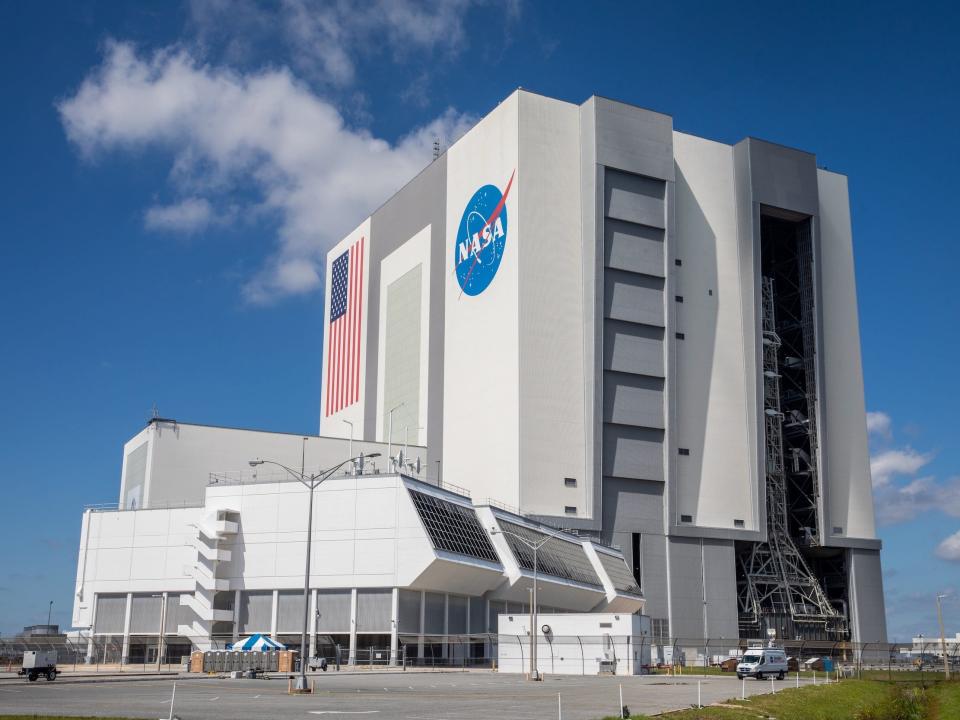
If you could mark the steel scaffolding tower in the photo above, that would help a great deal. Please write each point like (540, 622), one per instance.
(776, 584)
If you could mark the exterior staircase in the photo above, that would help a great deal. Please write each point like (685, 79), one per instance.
(212, 530)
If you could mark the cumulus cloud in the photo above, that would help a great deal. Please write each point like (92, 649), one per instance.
(228, 130)
(949, 548)
(900, 503)
(887, 464)
(878, 423)
(188, 215)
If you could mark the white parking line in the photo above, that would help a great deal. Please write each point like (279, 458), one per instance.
(213, 698)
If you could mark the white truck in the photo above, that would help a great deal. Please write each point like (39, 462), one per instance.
(39, 662)
(761, 662)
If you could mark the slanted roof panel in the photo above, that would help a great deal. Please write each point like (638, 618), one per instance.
(558, 557)
(452, 527)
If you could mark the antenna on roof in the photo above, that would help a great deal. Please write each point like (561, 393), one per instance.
(436, 147)
(154, 412)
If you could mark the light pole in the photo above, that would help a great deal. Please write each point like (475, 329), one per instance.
(49, 613)
(350, 450)
(311, 482)
(535, 546)
(943, 640)
(390, 435)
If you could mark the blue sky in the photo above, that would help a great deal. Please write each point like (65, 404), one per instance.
(173, 172)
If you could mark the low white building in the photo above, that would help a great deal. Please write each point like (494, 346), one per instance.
(575, 643)
(931, 645)
(399, 565)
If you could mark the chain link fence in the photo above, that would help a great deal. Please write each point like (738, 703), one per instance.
(643, 654)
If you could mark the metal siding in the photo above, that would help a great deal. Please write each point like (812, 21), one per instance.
(632, 247)
(110, 614)
(478, 618)
(552, 420)
(686, 588)
(633, 348)
(136, 473)
(634, 298)
(409, 612)
(721, 583)
(145, 613)
(633, 139)
(419, 202)
(783, 177)
(633, 400)
(456, 615)
(865, 577)
(631, 452)
(401, 382)
(256, 611)
(634, 198)
(373, 610)
(333, 608)
(433, 614)
(290, 611)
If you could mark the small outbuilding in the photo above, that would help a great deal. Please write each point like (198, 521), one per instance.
(576, 643)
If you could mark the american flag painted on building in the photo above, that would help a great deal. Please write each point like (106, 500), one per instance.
(343, 343)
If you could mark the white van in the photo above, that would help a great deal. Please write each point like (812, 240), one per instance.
(761, 662)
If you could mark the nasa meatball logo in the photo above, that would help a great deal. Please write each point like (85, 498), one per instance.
(481, 238)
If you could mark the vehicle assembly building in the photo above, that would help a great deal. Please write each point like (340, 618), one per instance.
(576, 317)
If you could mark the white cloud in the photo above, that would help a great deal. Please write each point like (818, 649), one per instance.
(888, 464)
(188, 215)
(949, 548)
(900, 503)
(325, 39)
(878, 423)
(228, 130)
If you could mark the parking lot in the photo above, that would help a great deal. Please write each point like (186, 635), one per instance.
(401, 695)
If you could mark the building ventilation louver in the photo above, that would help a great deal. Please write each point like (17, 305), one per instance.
(560, 558)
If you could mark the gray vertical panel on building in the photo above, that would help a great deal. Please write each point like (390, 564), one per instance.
(333, 607)
(633, 348)
(630, 399)
(632, 297)
(433, 614)
(111, 613)
(256, 611)
(290, 611)
(634, 198)
(632, 247)
(478, 616)
(136, 473)
(721, 583)
(401, 360)
(633, 139)
(145, 613)
(457, 615)
(783, 177)
(865, 580)
(497, 608)
(686, 587)
(409, 612)
(632, 452)
(636, 506)
(421, 201)
(373, 610)
(175, 615)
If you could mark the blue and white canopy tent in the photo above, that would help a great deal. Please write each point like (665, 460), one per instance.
(256, 643)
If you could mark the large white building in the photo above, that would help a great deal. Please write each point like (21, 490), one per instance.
(639, 335)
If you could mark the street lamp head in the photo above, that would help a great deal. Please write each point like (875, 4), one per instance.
(372, 455)
(254, 463)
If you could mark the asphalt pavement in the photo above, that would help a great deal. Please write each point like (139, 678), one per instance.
(382, 696)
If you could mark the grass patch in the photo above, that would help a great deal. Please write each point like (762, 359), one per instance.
(847, 700)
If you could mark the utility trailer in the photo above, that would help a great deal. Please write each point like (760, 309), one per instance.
(39, 662)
